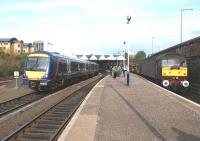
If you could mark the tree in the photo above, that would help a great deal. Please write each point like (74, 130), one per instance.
(131, 57)
(140, 55)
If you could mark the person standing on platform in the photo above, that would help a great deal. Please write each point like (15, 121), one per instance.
(124, 70)
(114, 71)
(119, 71)
(110, 69)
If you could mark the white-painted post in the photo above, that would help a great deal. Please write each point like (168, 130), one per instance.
(16, 76)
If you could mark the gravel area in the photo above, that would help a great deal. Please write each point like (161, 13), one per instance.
(9, 91)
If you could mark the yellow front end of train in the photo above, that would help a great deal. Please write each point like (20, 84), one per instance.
(175, 72)
(36, 70)
(166, 71)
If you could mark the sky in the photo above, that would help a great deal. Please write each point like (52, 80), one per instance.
(99, 26)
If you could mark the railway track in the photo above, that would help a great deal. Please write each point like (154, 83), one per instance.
(2, 83)
(14, 104)
(192, 93)
(49, 123)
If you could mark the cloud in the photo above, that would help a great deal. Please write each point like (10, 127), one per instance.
(8, 19)
(96, 26)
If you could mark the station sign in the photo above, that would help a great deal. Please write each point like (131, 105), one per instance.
(16, 74)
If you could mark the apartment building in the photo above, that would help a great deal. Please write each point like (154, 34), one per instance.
(13, 46)
(10, 46)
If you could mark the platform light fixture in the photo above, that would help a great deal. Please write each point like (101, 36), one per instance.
(128, 22)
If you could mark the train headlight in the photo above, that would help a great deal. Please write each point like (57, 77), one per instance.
(45, 76)
(24, 75)
(185, 83)
(165, 83)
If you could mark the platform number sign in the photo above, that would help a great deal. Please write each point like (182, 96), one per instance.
(16, 74)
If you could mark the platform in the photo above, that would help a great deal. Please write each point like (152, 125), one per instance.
(142, 111)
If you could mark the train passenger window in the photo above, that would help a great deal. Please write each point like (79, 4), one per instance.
(87, 66)
(74, 66)
(62, 67)
(59, 67)
(81, 66)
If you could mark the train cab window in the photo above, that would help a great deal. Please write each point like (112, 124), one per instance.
(173, 62)
(183, 64)
(168, 62)
(37, 63)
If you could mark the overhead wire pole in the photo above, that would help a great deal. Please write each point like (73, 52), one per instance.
(182, 23)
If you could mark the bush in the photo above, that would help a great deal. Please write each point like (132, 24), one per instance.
(10, 64)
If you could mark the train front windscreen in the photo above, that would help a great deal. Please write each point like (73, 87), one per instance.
(37, 63)
(175, 62)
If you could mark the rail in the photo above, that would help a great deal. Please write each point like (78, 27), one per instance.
(49, 123)
(2, 83)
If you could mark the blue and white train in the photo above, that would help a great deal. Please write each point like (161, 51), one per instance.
(46, 70)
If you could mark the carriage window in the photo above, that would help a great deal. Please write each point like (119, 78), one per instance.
(74, 66)
(62, 67)
(87, 66)
(81, 66)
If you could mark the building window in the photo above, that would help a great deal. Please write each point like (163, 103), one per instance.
(5, 43)
(18, 45)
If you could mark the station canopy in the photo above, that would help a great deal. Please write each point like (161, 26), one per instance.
(121, 58)
(93, 57)
(111, 57)
(102, 57)
(84, 57)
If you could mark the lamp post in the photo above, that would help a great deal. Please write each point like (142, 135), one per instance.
(152, 44)
(128, 22)
(181, 22)
(124, 61)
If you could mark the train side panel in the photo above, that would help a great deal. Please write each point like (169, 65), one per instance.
(59, 70)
